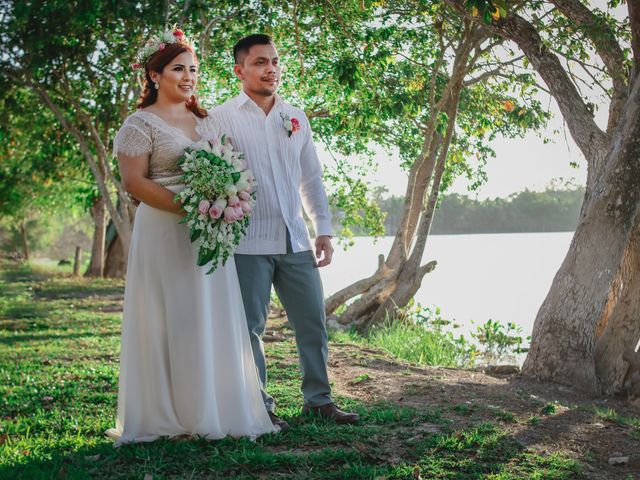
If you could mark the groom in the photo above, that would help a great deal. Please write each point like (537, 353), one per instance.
(277, 250)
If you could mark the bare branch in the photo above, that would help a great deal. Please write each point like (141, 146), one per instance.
(491, 73)
(585, 67)
(204, 36)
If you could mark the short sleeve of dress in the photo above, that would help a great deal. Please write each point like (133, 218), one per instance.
(133, 139)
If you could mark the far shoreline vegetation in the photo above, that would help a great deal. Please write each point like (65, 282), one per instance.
(552, 210)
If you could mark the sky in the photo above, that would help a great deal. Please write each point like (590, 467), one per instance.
(526, 163)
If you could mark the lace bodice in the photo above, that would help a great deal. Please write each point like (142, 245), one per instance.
(146, 133)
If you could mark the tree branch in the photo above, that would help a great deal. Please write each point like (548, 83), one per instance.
(593, 142)
(607, 47)
(204, 36)
(84, 147)
(634, 23)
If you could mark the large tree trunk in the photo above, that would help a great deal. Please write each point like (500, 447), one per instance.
(99, 214)
(591, 316)
(592, 312)
(116, 261)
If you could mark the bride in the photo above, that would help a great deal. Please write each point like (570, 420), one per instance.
(186, 366)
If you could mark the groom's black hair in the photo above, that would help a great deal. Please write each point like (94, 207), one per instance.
(241, 48)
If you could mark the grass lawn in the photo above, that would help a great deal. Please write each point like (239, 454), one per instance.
(59, 344)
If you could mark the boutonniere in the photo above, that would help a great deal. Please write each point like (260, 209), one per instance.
(291, 125)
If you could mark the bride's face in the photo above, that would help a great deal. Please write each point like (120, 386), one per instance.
(260, 70)
(178, 79)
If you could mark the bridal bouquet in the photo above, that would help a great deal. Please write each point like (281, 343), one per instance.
(218, 197)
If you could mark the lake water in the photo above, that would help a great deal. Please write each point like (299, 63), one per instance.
(504, 277)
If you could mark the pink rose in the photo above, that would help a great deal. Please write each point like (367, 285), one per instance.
(239, 212)
(246, 207)
(161, 46)
(230, 215)
(136, 66)
(215, 212)
(233, 201)
(203, 206)
(244, 196)
(295, 125)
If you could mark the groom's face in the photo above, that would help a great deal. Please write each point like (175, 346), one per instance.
(259, 70)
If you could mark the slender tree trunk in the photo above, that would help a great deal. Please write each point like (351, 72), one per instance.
(396, 280)
(593, 300)
(392, 286)
(25, 240)
(96, 264)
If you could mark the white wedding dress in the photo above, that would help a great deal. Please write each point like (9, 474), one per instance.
(186, 365)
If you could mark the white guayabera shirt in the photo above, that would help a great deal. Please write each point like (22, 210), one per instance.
(287, 170)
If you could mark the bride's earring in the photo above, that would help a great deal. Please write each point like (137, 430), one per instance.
(157, 85)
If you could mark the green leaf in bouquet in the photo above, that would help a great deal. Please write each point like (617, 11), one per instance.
(214, 254)
(204, 256)
(195, 234)
(235, 176)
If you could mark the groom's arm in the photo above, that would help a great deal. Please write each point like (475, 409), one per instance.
(314, 197)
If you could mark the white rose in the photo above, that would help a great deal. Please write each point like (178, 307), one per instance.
(215, 149)
(227, 155)
(231, 190)
(242, 185)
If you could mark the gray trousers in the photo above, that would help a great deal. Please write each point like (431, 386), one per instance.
(297, 283)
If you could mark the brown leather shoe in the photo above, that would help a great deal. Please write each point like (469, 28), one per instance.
(331, 412)
(278, 422)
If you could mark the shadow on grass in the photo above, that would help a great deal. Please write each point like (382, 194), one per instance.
(78, 291)
(22, 272)
(22, 338)
(25, 311)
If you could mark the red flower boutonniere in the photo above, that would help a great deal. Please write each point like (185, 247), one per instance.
(291, 125)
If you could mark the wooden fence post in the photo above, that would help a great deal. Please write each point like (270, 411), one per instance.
(76, 263)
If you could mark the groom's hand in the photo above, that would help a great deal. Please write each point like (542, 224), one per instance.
(324, 250)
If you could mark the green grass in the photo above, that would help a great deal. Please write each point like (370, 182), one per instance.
(413, 343)
(610, 415)
(59, 343)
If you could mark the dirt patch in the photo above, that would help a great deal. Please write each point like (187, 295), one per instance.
(543, 417)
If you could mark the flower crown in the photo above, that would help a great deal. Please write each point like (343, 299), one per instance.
(157, 43)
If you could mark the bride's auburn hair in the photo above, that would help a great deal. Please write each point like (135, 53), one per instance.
(156, 63)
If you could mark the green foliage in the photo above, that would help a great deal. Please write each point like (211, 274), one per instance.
(549, 408)
(499, 340)
(362, 75)
(41, 170)
(488, 10)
